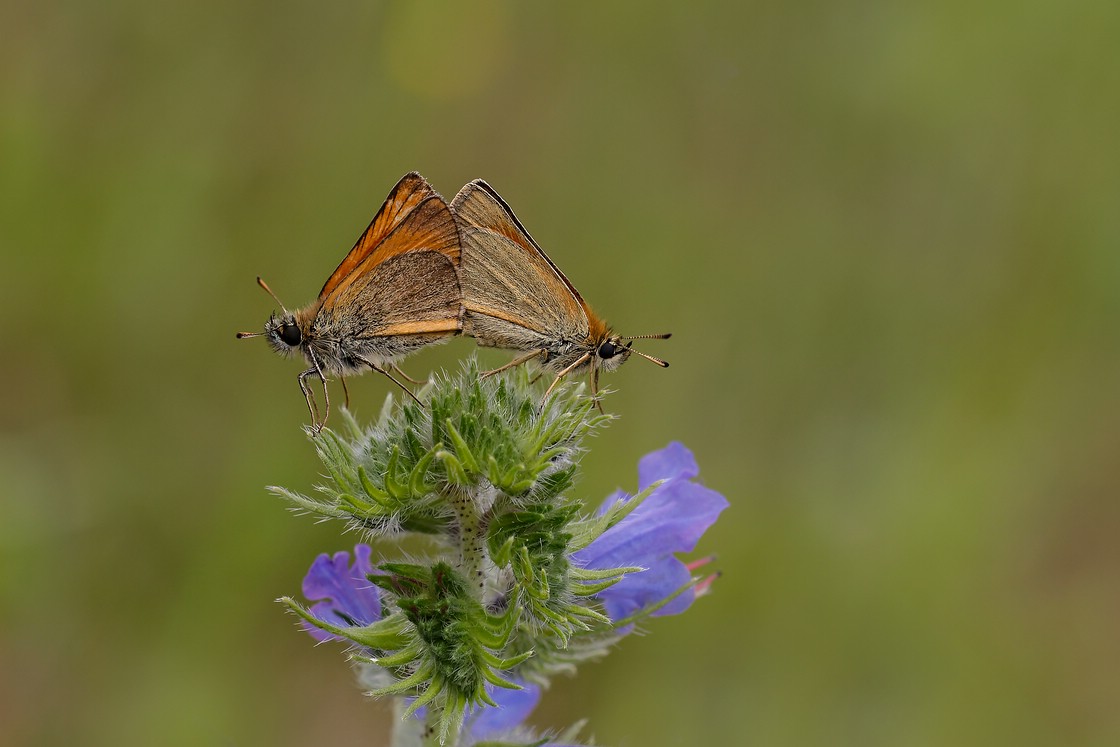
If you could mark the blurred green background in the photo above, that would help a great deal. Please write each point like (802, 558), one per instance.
(885, 237)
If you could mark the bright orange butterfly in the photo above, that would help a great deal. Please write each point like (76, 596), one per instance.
(395, 292)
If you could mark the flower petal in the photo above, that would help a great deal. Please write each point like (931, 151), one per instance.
(673, 461)
(347, 597)
(670, 520)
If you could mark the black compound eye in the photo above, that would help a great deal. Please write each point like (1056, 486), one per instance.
(608, 350)
(290, 334)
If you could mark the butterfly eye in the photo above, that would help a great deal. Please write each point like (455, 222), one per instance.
(290, 334)
(608, 350)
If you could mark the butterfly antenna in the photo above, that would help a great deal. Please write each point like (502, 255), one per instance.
(268, 290)
(650, 358)
(243, 335)
(658, 361)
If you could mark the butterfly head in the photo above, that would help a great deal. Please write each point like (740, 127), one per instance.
(612, 352)
(283, 333)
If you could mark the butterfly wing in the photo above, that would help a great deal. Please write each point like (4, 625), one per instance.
(406, 284)
(411, 191)
(513, 295)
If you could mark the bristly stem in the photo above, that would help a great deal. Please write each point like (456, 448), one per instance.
(472, 556)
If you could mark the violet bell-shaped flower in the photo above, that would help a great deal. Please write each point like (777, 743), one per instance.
(670, 520)
(345, 595)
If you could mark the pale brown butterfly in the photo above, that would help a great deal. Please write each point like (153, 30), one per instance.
(395, 292)
(514, 297)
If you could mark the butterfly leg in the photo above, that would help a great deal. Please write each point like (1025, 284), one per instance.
(405, 376)
(579, 362)
(595, 388)
(318, 371)
(516, 362)
(345, 391)
(312, 406)
(391, 378)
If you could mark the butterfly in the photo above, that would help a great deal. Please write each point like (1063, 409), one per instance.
(395, 292)
(515, 297)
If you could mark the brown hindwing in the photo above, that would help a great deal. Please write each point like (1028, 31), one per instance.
(508, 278)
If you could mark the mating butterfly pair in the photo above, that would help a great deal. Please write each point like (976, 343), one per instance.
(424, 271)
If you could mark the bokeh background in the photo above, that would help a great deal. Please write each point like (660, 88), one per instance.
(885, 237)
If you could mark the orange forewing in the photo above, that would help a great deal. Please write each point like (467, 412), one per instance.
(410, 192)
(428, 227)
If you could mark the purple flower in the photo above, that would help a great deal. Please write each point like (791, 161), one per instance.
(670, 520)
(344, 593)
